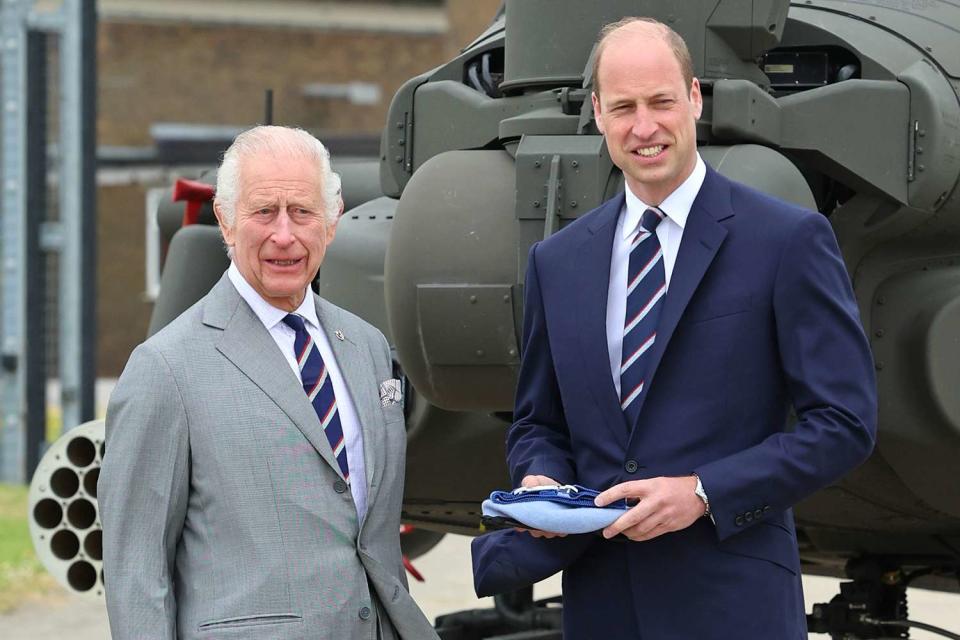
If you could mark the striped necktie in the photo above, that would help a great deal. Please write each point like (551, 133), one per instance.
(319, 388)
(646, 287)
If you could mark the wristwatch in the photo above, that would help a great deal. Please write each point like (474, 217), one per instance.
(703, 496)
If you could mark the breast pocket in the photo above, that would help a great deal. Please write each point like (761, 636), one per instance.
(717, 306)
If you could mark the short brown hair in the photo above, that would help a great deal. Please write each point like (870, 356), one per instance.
(671, 37)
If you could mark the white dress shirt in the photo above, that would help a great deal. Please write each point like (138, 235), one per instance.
(284, 336)
(676, 206)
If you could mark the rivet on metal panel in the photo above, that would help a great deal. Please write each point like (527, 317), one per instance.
(479, 353)
(473, 299)
(878, 365)
(882, 300)
(878, 333)
(573, 204)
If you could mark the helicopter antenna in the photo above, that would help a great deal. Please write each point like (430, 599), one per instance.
(268, 107)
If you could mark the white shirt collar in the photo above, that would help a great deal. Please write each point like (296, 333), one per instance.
(270, 315)
(677, 205)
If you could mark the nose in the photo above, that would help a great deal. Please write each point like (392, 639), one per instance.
(282, 229)
(644, 127)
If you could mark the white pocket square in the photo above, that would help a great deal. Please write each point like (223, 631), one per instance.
(390, 392)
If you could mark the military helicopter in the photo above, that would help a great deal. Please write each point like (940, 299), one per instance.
(848, 107)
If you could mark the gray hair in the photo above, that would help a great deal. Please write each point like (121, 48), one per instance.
(286, 141)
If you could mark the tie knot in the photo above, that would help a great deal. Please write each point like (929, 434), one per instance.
(295, 322)
(651, 218)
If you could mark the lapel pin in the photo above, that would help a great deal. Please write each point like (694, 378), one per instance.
(339, 334)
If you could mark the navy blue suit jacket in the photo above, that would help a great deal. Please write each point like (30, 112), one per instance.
(759, 318)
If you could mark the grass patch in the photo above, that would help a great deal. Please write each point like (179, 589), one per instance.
(21, 574)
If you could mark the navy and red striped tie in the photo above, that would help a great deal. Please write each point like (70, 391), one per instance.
(646, 288)
(319, 389)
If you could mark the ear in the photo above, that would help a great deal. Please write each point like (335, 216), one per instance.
(696, 99)
(597, 111)
(225, 229)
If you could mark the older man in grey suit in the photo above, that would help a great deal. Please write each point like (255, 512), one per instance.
(255, 446)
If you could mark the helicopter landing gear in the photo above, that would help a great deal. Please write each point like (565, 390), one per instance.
(872, 606)
(515, 616)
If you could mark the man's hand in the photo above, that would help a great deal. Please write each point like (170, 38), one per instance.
(537, 481)
(665, 505)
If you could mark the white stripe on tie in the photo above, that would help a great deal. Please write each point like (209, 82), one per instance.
(633, 396)
(639, 352)
(646, 309)
(332, 411)
(643, 272)
(320, 382)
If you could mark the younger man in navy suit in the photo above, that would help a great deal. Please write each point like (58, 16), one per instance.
(667, 335)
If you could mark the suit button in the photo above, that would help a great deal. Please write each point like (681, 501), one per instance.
(748, 516)
(631, 466)
(364, 613)
(766, 508)
(739, 521)
(758, 514)
(340, 486)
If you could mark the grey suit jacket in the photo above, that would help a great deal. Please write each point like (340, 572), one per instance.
(224, 511)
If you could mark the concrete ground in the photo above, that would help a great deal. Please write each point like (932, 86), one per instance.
(448, 588)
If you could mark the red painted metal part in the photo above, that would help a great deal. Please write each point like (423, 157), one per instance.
(412, 570)
(195, 194)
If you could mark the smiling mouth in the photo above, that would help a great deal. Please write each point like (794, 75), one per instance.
(650, 152)
(284, 263)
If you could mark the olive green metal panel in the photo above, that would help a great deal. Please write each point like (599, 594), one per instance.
(761, 168)
(195, 261)
(435, 101)
(578, 185)
(827, 125)
(545, 46)
(351, 275)
(396, 143)
(929, 25)
(916, 316)
(455, 236)
(934, 136)
(483, 331)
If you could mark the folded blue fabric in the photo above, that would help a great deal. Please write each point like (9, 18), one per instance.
(554, 508)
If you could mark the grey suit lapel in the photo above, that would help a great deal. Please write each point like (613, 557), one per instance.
(354, 363)
(249, 346)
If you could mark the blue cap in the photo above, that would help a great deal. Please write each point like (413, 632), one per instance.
(554, 508)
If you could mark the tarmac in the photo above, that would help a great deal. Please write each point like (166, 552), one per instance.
(448, 587)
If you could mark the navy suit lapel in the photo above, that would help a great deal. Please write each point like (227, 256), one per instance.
(702, 237)
(591, 275)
